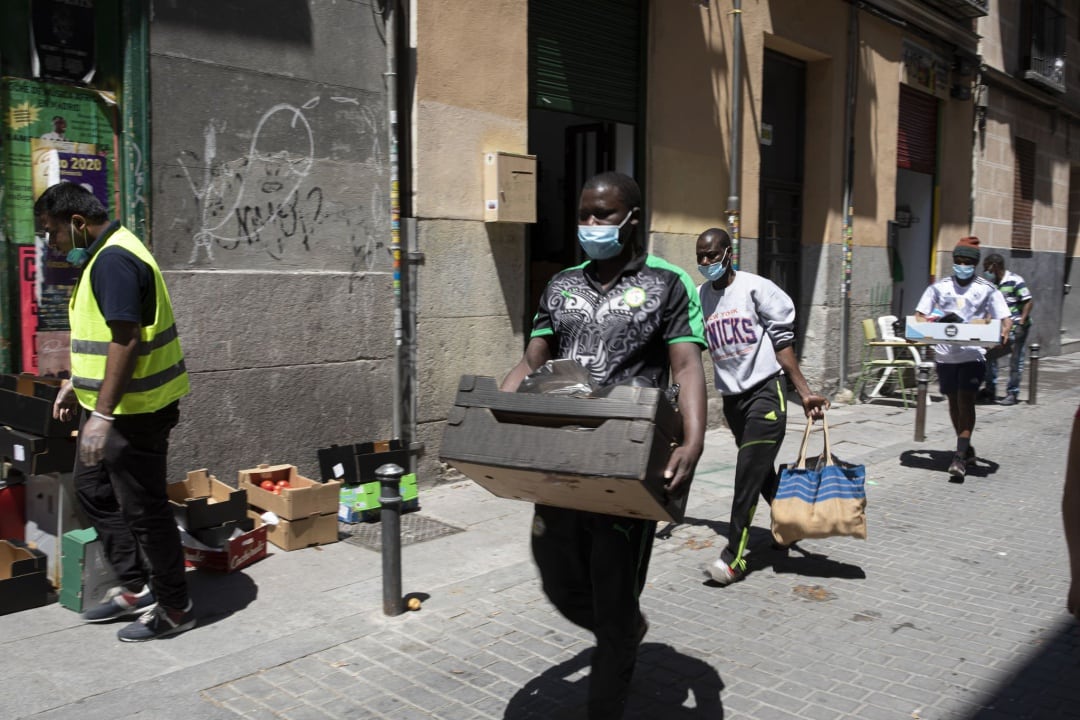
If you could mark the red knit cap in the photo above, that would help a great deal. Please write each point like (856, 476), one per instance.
(967, 248)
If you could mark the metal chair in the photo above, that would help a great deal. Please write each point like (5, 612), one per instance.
(881, 368)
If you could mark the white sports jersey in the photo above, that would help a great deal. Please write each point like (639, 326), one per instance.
(745, 323)
(977, 300)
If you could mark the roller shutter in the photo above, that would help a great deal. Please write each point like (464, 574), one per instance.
(585, 57)
(916, 140)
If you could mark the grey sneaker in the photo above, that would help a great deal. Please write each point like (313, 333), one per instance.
(957, 469)
(1008, 400)
(119, 603)
(159, 623)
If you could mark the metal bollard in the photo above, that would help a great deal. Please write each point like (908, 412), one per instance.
(1033, 378)
(390, 516)
(922, 397)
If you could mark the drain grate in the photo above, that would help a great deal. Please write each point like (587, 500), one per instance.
(415, 528)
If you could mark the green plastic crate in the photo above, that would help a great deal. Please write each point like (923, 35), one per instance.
(85, 574)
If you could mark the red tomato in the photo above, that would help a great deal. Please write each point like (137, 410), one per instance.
(282, 483)
(277, 490)
(267, 485)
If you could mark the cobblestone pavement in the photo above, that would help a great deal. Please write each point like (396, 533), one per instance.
(953, 608)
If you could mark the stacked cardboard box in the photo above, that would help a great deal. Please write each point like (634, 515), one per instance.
(360, 503)
(306, 510)
(354, 466)
(217, 532)
(23, 584)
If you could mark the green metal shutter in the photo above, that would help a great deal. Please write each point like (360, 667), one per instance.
(585, 57)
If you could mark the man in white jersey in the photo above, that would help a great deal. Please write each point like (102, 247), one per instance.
(966, 298)
(750, 328)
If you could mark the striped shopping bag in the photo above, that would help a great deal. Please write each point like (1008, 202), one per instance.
(827, 500)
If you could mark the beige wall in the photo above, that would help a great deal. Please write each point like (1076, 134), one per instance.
(471, 98)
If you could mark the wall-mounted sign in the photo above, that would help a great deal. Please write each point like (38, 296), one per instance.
(62, 40)
(766, 133)
(924, 70)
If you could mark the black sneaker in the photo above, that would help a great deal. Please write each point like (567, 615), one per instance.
(957, 469)
(159, 623)
(119, 603)
(969, 456)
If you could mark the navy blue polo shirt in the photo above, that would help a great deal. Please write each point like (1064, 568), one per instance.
(123, 284)
(625, 331)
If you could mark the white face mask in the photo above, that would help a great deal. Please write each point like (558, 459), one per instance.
(601, 242)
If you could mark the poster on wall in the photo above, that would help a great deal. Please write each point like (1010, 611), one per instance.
(51, 134)
(62, 46)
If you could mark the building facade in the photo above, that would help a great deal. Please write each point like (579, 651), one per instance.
(1027, 156)
(270, 161)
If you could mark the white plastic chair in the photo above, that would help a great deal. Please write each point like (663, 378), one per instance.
(885, 332)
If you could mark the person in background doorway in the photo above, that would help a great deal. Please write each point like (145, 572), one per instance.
(961, 368)
(1018, 298)
(623, 315)
(128, 375)
(750, 328)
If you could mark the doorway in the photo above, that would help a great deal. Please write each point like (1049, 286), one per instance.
(585, 112)
(916, 161)
(783, 121)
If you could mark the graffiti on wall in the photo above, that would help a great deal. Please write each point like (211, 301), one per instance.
(277, 197)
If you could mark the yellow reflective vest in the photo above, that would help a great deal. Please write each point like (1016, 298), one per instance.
(160, 376)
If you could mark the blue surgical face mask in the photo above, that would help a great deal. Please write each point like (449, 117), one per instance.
(963, 272)
(714, 271)
(601, 242)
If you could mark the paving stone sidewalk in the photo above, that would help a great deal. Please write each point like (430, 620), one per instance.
(951, 609)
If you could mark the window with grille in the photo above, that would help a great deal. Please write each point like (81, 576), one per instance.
(1023, 193)
(1042, 43)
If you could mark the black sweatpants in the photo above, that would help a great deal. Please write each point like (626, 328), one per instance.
(593, 569)
(124, 496)
(758, 419)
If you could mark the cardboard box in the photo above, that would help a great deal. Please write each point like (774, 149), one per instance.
(23, 584)
(36, 454)
(303, 498)
(604, 455)
(356, 464)
(361, 503)
(239, 552)
(86, 575)
(26, 404)
(300, 533)
(51, 511)
(986, 334)
(218, 535)
(203, 501)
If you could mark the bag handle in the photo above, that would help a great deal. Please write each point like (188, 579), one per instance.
(801, 462)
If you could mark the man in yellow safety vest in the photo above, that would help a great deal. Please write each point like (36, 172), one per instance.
(127, 375)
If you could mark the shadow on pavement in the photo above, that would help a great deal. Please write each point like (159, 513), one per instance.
(938, 460)
(665, 681)
(217, 596)
(797, 560)
(1046, 685)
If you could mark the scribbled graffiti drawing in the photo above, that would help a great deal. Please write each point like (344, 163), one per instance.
(241, 199)
(266, 199)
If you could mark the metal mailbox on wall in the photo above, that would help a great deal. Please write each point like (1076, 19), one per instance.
(509, 187)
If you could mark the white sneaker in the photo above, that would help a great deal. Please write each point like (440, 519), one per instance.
(722, 573)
